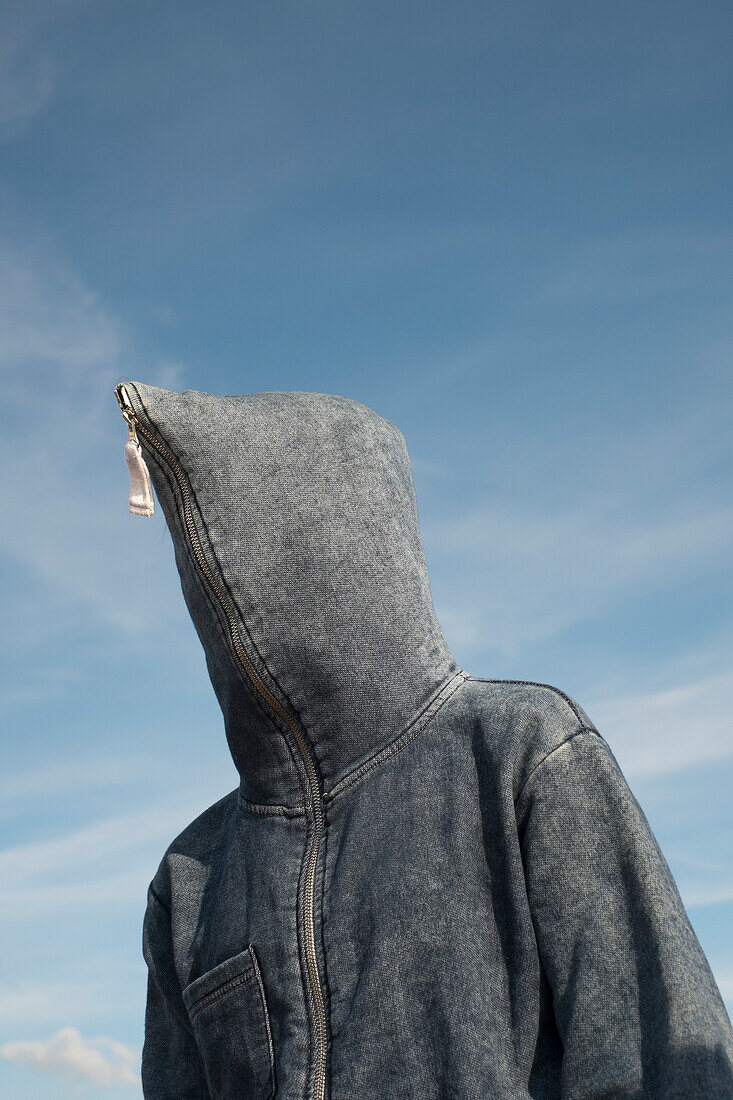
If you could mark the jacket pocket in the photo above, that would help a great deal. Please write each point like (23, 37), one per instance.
(229, 1016)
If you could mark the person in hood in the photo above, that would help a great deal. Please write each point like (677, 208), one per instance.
(427, 884)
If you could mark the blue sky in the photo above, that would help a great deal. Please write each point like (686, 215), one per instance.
(505, 227)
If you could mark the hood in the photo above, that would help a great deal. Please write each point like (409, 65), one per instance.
(296, 537)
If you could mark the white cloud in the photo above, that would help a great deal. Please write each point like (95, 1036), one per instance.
(101, 1061)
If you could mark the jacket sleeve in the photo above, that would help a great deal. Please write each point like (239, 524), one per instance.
(171, 1065)
(636, 1004)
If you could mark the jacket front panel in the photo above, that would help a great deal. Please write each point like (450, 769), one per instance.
(431, 962)
(213, 896)
(430, 965)
(426, 884)
(470, 946)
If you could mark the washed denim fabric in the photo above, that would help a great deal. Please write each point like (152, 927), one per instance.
(427, 884)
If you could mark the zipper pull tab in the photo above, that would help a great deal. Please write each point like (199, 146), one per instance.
(141, 488)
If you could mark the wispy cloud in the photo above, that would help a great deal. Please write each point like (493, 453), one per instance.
(37, 1001)
(702, 896)
(30, 68)
(591, 525)
(26, 73)
(108, 862)
(725, 983)
(52, 319)
(659, 732)
(69, 777)
(63, 350)
(100, 1061)
(703, 882)
(537, 573)
(635, 266)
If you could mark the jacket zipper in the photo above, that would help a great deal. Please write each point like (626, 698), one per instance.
(135, 425)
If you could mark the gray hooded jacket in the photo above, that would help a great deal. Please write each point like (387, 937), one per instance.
(427, 884)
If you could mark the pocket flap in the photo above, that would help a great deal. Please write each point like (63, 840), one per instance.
(229, 1016)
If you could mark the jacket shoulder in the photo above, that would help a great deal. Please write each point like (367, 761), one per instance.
(194, 847)
(523, 721)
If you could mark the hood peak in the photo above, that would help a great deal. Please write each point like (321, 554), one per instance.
(295, 529)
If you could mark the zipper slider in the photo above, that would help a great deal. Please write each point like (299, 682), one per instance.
(141, 489)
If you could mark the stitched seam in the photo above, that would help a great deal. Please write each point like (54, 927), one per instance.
(266, 1014)
(220, 991)
(275, 719)
(219, 570)
(546, 757)
(249, 687)
(214, 604)
(220, 574)
(302, 949)
(532, 683)
(328, 1000)
(403, 739)
(174, 490)
(265, 809)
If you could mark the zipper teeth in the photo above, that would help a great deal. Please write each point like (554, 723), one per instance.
(264, 691)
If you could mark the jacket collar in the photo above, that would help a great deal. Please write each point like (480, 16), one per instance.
(295, 529)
